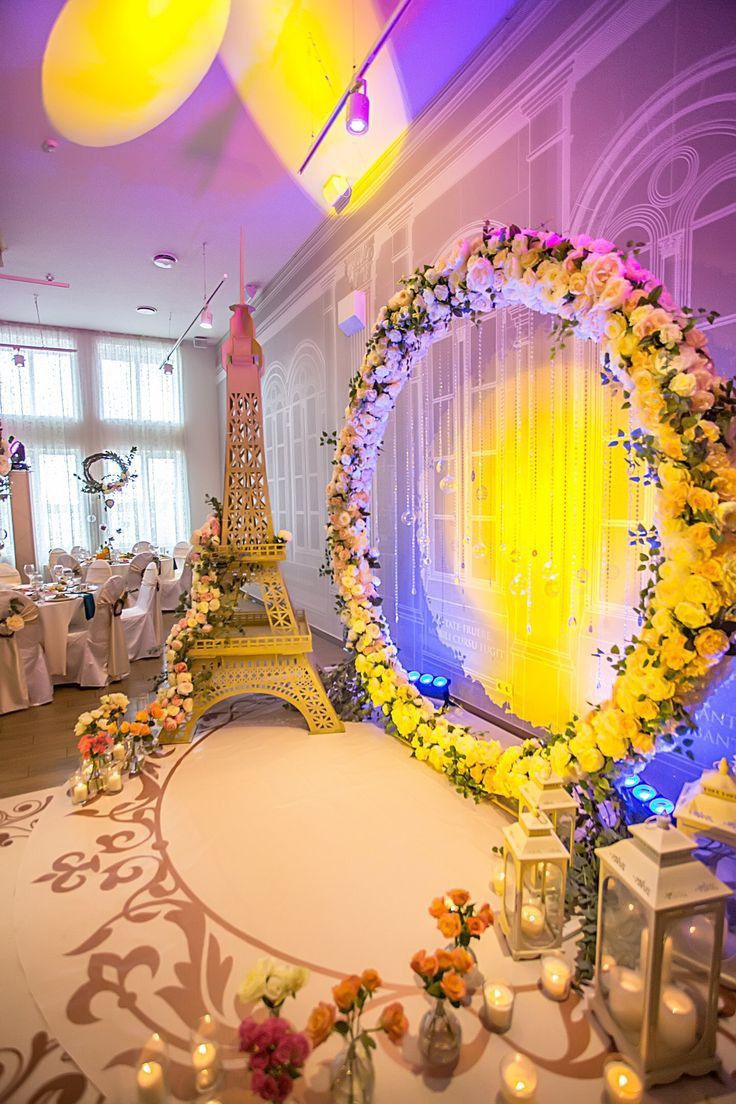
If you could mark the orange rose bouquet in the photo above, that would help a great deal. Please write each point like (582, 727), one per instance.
(353, 1068)
(457, 918)
(443, 973)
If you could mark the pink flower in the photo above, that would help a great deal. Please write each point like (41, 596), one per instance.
(179, 667)
(170, 724)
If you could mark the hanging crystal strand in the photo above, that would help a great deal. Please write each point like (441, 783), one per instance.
(533, 385)
(565, 552)
(410, 494)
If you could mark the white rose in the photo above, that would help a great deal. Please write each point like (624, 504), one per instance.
(284, 535)
(683, 384)
(276, 988)
(480, 274)
(85, 718)
(253, 985)
(441, 292)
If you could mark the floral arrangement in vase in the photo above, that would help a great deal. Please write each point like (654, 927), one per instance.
(457, 919)
(277, 1055)
(352, 1076)
(443, 975)
(272, 982)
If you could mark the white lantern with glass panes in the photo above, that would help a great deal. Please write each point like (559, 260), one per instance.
(655, 992)
(546, 794)
(535, 876)
(706, 812)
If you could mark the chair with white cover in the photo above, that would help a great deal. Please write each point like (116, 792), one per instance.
(166, 567)
(181, 551)
(78, 551)
(142, 623)
(9, 576)
(142, 546)
(67, 560)
(172, 589)
(136, 567)
(99, 654)
(24, 675)
(98, 571)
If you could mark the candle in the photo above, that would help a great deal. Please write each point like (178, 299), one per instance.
(155, 1050)
(626, 997)
(556, 977)
(151, 1083)
(118, 752)
(498, 1005)
(207, 1028)
(206, 1066)
(532, 920)
(678, 1019)
(498, 881)
(518, 1078)
(623, 1084)
(79, 792)
(114, 783)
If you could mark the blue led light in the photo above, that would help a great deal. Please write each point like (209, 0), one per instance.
(662, 806)
(426, 680)
(628, 781)
(439, 682)
(413, 676)
(644, 793)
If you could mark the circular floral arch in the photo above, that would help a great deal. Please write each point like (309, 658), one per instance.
(686, 442)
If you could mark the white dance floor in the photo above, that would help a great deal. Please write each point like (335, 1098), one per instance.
(144, 910)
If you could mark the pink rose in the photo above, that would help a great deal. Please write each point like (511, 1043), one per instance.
(170, 724)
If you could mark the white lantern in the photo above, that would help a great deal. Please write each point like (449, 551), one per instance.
(535, 875)
(656, 991)
(706, 811)
(546, 794)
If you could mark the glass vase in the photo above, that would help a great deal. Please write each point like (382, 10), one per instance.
(440, 1035)
(352, 1076)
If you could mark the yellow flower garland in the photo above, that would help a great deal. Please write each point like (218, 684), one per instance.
(687, 439)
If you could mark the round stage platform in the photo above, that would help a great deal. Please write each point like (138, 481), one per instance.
(144, 910)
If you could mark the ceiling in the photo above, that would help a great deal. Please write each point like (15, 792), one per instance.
(248, 102)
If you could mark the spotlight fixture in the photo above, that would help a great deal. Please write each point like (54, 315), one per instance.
(205, 319)
(146, 310)
(357, 112)
(337, 191)
(165, 260)
(19, 360)
(168, 368)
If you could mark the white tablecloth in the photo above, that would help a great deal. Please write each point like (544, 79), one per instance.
(122, 569)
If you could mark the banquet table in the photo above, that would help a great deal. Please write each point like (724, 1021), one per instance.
(120, 567)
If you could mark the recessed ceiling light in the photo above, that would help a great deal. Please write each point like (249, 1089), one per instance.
(165, 260)
(146, 310)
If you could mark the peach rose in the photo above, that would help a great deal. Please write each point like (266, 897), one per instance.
(417, 960)
(345, 992)
(320, 1023)
(371, 980)
(429, 966)
(475, 925)
(485, 913)
(444, 960)
(394, 1022)
(438, 907)
(450, 925)
(453, 986)
(462, 960)
(459, 897)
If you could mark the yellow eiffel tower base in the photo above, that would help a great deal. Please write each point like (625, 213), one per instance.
(255, 659)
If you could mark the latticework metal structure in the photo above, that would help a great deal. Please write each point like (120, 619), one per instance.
(263, 651)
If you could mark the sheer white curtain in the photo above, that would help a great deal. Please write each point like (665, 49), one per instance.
(140, 405)
(97, 393)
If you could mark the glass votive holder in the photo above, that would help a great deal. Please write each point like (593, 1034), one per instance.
(498, 1005)
(205, 1063)
(518, 1079)
(556, 976)
(119, 751)
(78, 789)
(151, 1083)
(113, 778)
(623, 1084)
(155, 1050)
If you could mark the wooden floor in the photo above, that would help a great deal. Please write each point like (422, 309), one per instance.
(38, 746)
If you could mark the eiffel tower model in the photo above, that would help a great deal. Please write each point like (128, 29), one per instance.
(262, 651)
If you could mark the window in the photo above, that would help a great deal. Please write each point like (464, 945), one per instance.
(96, 393)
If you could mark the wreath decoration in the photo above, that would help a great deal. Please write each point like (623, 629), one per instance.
(107, 484)
(686, 443)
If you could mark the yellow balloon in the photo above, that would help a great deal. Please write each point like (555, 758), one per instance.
(114, 70)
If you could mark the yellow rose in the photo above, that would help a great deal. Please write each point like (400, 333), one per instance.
(643, 742)
(691, 615)
(559, 758)
(725, 485)
(675, 653)
(613, 729)
(711, 570)
(683, 384)
(700, 536)
(702, 592)
(698, 498)
(727, 516)
(662, 620)
(711, 645)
